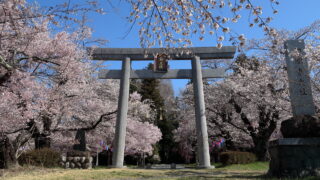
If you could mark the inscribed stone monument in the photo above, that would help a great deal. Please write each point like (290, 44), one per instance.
(299, 79)
(298, 153)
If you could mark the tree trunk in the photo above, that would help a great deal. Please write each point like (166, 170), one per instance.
(261, 147)
(42, 141)
(5, 77)
(81, 137)
(261, 140)
(7, 154)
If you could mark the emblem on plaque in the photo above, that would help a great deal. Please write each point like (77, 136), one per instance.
(161, 63)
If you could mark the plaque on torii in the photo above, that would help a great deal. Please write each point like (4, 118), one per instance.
(161, 71)
(160, 64)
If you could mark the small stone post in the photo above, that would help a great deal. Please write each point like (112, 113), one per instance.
(121, 124)
(201, 123)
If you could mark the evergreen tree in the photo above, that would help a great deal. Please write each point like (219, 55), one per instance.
(149, 89)
(165, 120)
(134, 85)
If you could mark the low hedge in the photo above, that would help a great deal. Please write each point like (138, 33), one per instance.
(237, 157)
(44, 157)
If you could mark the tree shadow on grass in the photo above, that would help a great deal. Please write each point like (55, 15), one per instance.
(213, 174)
(246, 175)
(266, 177)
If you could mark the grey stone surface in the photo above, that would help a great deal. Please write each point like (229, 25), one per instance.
(295, 157)
(201, 123)
(63, 158)
(121, 123)
(75, 153)
(226, 52)
(67, 165)
(75, 159)
(305, 126)
(299, 79)
(72, 165)
(296, 142)
(87, 166)
(84, 162)
(148, 166)
(298, 154)
(171, 74)
(173, 166)
(78, 165)
(167, 166)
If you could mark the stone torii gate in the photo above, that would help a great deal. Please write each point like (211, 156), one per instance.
(126, 55)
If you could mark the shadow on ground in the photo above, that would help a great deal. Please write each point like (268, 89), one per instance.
(189, 175)
(214, 174)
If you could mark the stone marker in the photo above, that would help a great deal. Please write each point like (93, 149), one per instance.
(148, 166)
(298, 153)
(300, 92)
(173, 166)
(299, 79)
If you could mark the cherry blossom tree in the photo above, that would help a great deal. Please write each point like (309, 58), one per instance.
(49, 90)
(141, 135)
(185, 134)
(249, 105)
(44, 96)
(29, 59)
(255, 102)
(171, 23)
(246, 108)
(78, 104)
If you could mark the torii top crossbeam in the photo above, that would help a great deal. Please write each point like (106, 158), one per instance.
(226, 52)
(141, 54)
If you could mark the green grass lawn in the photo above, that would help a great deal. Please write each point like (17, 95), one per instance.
(248, 171)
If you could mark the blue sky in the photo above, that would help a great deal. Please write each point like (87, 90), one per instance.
(293, 15)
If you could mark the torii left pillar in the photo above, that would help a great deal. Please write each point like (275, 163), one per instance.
(121, 124)
(201, 123)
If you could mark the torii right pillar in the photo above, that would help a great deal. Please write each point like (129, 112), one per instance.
(201, 123)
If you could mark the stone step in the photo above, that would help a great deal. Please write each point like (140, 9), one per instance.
(167, 166)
